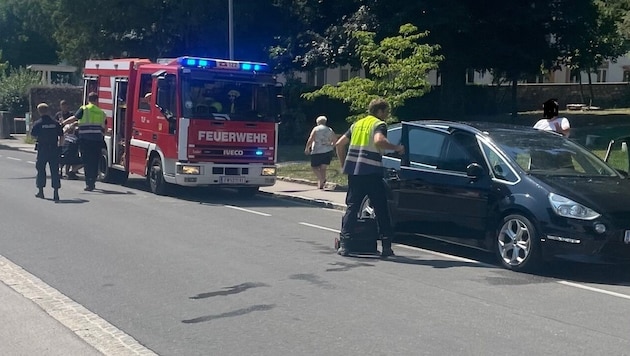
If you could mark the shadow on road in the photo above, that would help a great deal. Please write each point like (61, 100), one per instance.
(217, 196)
(71, 201)
(557, 270)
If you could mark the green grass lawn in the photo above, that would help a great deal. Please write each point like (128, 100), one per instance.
(302, 170)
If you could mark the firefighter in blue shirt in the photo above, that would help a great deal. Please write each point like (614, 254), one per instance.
(367, 138)
(48, 133)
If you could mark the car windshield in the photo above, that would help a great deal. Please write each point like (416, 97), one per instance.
(546, 153)
(223, 100)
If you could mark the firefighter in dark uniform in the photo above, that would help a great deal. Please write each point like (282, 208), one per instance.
(48, 133)
(91, 140)
(363, 165)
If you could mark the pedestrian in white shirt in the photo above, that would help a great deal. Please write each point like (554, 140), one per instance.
(320, 145)
(551, 121)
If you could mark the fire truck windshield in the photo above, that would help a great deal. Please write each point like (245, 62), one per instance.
(228, 100)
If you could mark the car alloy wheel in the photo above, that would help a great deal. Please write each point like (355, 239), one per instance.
(517, 246)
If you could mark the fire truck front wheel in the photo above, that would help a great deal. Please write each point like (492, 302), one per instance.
(155, 177)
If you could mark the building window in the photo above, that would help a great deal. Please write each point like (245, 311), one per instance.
(344, 75)
(321, 77)
(310, 78)
(626, 75)
(601, 75)
(470, 76)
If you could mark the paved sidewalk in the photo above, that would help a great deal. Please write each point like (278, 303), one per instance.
(29, 330)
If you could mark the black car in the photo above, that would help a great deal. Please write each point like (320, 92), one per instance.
(524, 194)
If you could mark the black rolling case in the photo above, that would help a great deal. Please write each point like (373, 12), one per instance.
(363, 240)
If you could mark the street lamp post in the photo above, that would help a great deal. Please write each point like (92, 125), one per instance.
(231, 27)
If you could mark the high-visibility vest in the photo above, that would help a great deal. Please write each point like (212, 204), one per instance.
(91, 123)
(363, 157)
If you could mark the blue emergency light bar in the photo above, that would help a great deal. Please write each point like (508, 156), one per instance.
(197, 62)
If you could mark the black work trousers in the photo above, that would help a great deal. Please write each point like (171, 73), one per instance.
(372, 186)
(47, 155)
(90, 155)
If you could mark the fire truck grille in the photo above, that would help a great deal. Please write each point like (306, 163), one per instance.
(230, 171)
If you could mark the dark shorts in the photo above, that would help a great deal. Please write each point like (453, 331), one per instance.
(321, 158)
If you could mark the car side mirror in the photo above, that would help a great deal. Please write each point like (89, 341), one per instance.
(474, 171)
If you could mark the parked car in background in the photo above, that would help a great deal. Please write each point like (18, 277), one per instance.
(525, 195)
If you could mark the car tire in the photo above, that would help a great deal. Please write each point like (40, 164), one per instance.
(517, 244)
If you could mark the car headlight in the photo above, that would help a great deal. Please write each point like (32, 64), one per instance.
(268, 171)
(185, 169)
(569, 209)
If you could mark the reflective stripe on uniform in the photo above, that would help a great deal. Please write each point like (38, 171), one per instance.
(363, 157)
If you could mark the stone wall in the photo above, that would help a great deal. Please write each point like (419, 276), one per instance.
(52, 95)
(531, 96)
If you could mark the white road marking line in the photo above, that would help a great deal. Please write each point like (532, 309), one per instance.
(319, 227)
(31, 162)
(444, 255)
(93, 329)
(14, 159)
(335, 210)
(596, 290)
(467, 260)
(246, 210)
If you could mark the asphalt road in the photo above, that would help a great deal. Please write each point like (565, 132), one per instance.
(207, 273)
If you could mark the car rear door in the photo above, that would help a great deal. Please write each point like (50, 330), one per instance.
(435, 196)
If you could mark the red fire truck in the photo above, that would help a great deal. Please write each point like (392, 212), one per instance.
(187, 121)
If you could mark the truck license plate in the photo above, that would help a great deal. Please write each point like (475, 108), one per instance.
(233, 180)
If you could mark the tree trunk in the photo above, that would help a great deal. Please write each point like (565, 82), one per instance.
(453, 74)
(590, 89)
(579, 77)
(514, 99)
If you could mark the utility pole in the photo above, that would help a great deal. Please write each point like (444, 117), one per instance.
(231, 27)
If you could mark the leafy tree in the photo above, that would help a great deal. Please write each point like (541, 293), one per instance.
(14, 89)
(515, 38)
(397, 69)
(168, 28)
(3, 65)
(26, 33)
(319, 33)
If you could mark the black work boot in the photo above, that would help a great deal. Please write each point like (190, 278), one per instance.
(343, 247)
(40, 193)
(386, 248)
(56, 195)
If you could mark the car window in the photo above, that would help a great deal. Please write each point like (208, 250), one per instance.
(544, 153)
(457, 153)
(500, 168)
(394, 136)
(425, 146)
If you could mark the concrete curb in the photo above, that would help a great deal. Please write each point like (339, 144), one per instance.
(306, 200)
(329, 186)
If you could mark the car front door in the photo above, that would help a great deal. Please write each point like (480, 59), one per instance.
(435, 194)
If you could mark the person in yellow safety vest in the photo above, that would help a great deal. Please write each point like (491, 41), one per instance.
(363, 165)
(92, 122)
